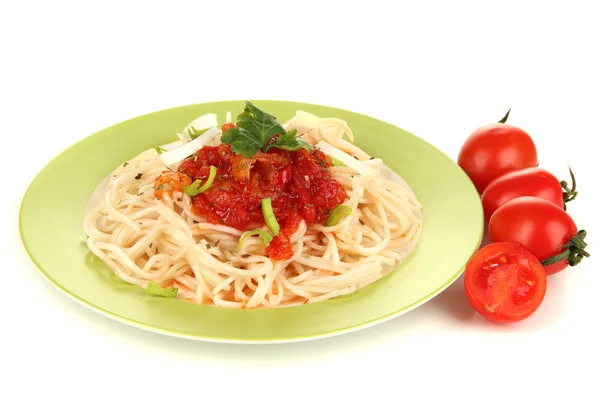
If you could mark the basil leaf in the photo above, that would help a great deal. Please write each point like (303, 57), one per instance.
(254, 128)
(156, 290)
(289, 141)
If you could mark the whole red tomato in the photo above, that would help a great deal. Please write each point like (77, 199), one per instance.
(504, 282)
(536, 182)
(495, 149)
(541, 227)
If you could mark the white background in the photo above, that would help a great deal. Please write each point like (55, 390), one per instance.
(438, 70)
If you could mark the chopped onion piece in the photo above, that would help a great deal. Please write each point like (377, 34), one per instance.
(185, 136)
(181, 152)
(228, 117)
(350, 161)
(202, 122)
(307, 120)
(289, 124)
(172, 145)
(333, 129)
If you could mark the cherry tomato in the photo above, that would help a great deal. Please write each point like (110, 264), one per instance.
(495, 149)
(541, 227)
(504, 282)
(535, 182)
(227, 126)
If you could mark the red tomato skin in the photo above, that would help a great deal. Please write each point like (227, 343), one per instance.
(479, 297)
(538, 225)
(536, 182)
(227, 126)
(495, 149)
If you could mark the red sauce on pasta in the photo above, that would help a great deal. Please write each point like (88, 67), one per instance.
(299, 184)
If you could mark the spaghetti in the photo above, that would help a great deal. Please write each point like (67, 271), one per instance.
(151, 237)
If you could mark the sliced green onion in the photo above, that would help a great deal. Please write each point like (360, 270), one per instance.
(159, 149)
(195, 133)
(337, 214)
(266, 237)
(337, 163)
(156, 290)
(270, 219)
(195, 188)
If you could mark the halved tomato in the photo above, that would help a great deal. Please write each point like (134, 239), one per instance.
(504, 282)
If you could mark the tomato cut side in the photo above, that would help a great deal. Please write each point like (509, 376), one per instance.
(504, 282)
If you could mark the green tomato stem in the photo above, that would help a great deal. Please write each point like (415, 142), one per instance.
(573, 251)
(570, 193)
(503, 120)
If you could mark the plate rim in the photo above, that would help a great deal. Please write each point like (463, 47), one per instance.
(212, 339)
(208, 339)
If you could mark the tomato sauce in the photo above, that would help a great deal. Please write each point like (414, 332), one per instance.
(299, 184)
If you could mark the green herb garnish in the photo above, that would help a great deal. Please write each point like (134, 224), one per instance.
(195, 133)
(269, 215)
(254, 129)
(159, 149)
(266, 237)
(337, 214)
(195, 189)
(156, 290)
(289, 141)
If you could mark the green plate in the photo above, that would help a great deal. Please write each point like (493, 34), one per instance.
(52, 212)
